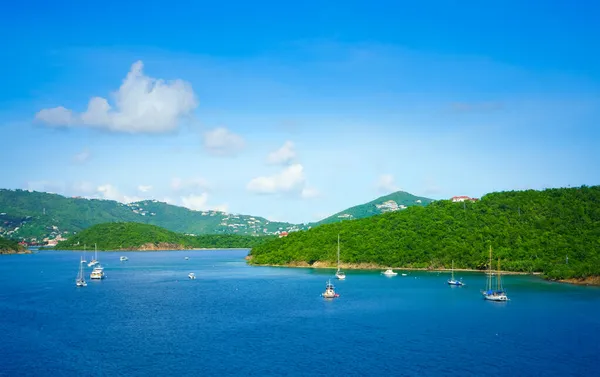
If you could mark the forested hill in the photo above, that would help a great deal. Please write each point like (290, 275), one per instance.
(10, 246)
(35, 216)
(396, 201)
(529, 230)
(136, 236)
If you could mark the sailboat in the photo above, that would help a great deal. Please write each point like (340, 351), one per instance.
(453, 281)
(339, 274)
(490, 293)
(83, 259)
(94, 261)
(80, 282)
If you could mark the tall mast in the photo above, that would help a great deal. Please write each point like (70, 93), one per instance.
(498, 278)
(338, 251)
(489, 284)
(453, 269)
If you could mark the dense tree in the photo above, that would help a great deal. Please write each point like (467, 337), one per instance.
(529, 230)
(7, 246)
(119, 235)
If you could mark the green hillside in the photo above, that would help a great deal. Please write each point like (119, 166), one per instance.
(34, 216)
(529, 230)
(388, 203)
(117, 236)
(9, 246)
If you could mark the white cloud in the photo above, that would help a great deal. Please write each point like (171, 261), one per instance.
(82, 156)
(110, 192)
(83, 188)
(200, 203)
(195, 202)
(144, 188)
(309, 193)
(222, 142)
(283, 155)
(290, 179)
(57, 116)
(141, 105)
(385, 183)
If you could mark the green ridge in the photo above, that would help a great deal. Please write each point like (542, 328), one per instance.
(531, 231)
(117, 236)
(371, 208)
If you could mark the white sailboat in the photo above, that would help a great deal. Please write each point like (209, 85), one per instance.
(491, 294)
(80, 282)
(453, 281)
(83, 259)
(339, 274)
(94, 261)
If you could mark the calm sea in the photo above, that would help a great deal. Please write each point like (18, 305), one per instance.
(148, 319)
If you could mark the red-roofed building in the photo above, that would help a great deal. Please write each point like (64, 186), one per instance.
(463, 198)
(283, 234)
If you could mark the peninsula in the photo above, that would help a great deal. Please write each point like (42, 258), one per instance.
(12, 247)
(553, 232)
(145, 237)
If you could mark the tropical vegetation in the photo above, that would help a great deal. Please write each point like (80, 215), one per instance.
(9, 246)
(133, 236)
(555, 231)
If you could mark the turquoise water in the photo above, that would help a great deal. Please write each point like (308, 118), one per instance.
(146, 318)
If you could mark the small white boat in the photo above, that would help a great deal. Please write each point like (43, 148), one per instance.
(389, 272)
(123, 259)
(97, 272)
(95, 260)
(329, 291)
(192, 275)
(186, 258)
(403, 274)
(80, 282)
(453, 281)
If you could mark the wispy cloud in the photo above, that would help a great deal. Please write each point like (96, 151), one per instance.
(222, 142)
(282, 156)
(288, 180)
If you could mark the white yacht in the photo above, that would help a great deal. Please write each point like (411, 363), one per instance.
(123, 259)
(329, 291)
(192, 275)
(339, 274)
(389, 272)
(94, 261)
(97, 272)
(80, 282)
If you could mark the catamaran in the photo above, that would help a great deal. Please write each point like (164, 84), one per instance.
(94, 261)
(97, 272)
(329, 291)
(491, 294)
(453, 281)
(80, 282)
(339, 274)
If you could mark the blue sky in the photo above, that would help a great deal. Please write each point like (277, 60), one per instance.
(294, 112)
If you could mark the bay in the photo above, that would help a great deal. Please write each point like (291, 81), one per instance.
(148, 318)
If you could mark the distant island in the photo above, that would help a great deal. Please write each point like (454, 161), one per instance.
(145, 237)
(554, 232)
(12, 247)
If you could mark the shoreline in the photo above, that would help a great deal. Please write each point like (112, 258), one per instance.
(588, 281)
(373, 266)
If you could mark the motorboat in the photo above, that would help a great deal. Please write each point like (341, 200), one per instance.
(97, 272)
(389, 272)
(123, 259)
(329, 291)
(192, 275)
